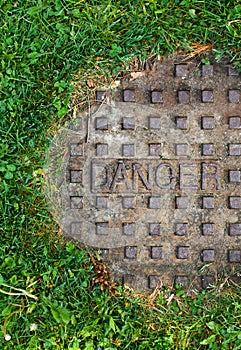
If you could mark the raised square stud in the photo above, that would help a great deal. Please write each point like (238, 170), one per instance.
(207, 123)
(154, 203)
(234, 122)
(234, 149)
(235, 202)
(182, 202)
(76, 149)
(154, 123)
(183, 96)
(181, 229)
(181, 123)
(101, 202)
(234, 175)
(234, 229)
(208, 202)
(183, 252)
(129, 96)
(180, 70)
(128, 202)
(128, 150)
(129, 280)
(207, 281)
(207, 229)
(181, 149)
(130, 252)
(207, 96)
(234, 255)
(128, 123)
(76, 176)
(154, 229)
(207, 149)
(155, 149)
(207, 71)
(181, 281)
(100, 96)
(128, 228)
(156, 252)
(207, 255)
(102, 228)
(101, 149)
(156, 97)
(76, 202)
(154, 282)
(234, 96)
(101, 123)
(232, 71)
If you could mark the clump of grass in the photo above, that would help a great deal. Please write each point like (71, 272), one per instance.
(47, 298)
(49, 301)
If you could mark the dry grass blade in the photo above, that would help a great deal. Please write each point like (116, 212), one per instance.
(198, 49)
(153, 296)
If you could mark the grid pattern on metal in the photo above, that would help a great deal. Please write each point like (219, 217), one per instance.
(153, 178)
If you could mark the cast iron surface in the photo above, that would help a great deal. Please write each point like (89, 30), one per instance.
(151, 177)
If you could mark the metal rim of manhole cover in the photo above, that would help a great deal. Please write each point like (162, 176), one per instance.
(151, 176)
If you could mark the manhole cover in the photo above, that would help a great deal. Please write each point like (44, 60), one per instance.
(152, 177)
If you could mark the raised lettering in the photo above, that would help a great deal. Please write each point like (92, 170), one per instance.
(188, 177)
(137, 171)
(169, 173)
(210, 176)
(100, 176)
(120, 177)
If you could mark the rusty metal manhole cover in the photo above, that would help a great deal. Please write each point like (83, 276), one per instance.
(152, 176)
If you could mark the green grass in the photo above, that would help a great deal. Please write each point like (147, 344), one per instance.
(44, 45)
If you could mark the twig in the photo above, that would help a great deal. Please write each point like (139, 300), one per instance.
(22, 292)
